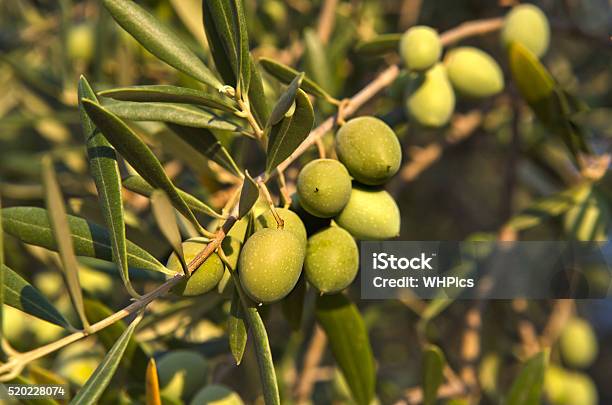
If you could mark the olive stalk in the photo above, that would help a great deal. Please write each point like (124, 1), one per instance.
(17, 362)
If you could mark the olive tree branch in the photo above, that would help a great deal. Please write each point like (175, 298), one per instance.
(384, 79)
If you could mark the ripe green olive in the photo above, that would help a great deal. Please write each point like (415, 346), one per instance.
(473, 72)
(270, 264)
(578, 343)
(369, 149)
(202, 280)
(216, 395)
(580, 390)
(332, 260)
(370, 214)
(292, 223)
(528, 25)
(181, 372)
(324, 187)
(80, 42)
(430, 99)
(420, 48)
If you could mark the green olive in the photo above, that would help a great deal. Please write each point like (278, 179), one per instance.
(420, 48)
(370, 214)
(204, 278)
(369, 149)
(528, 25)
(578, 343)
(181, 372)
(80, 42)
(580, 390)
(430, 100)
(270, 264)
(292, 223)
(473, 72)
(332, 260)
(216, 395)
(324, 187)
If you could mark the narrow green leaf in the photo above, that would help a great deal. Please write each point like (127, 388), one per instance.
(223, 61)
(315, 59)
(139, 185)
(236, 329)
(20, 294)
(31, 225)
(350, 344)
(105, 171)
(206, 143)
(225, 25)
(379, 45)
(101, 377)
(166, 221)
(257, 96)
(433, 368)
(286, 100)
(138, 154)
(527, 387)
(152, 394)
(181, 114)
(171, 94)
(293, 304)
(286, 74)
(262, 348)
(550, 104)
(58, 220)
(135, 357)
(288, 134)
(248, 195)
(548, 207)
(159, 40)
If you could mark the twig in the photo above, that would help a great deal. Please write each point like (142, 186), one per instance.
(327, 18)
(312, 359)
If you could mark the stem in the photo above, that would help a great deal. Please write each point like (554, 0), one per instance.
(262, 186)
(245, 111)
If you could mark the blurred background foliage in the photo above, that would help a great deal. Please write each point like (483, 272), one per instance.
(496, 159)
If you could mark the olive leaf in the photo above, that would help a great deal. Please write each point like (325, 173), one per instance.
(105, 172)
(257, 96)
(286, 74)
(315, 60)
(101, 377)
(262, 348)
(553, 106)
(290, 132)
(293, 304)
(159, 40)
(140, 186)
(58, 220)
(20, 294)
(547, 207)
(166, 221)
(433, 367)
(135, 357)
(236, 329)
(286, 100)
(205, 142)
(31, 225)
(181, 114)
(527, 387)
(170, 94)
(152, 394)
(350, 344)
(379, 45)
(138, 154)
(225, 25)
(248, 195)
(2, 278)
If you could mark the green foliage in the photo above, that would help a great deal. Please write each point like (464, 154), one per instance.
(527, 387)
(433, 373)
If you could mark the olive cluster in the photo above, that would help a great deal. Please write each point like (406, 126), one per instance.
(469, 72)
(339, 200)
